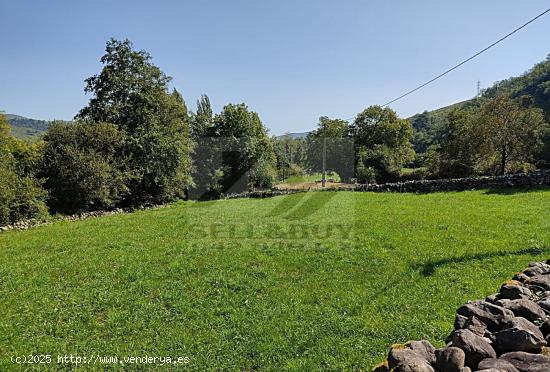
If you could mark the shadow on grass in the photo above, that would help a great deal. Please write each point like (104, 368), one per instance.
(428, 268)
(311, 205)
(515, 190)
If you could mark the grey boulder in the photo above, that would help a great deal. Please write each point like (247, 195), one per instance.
(524, 308)
(495, 317)
(539, 281)
(496, 364)
(514, 290)
(526, 362)
(520, 277)
(533, 271)
(476, 326)
(450, 359)
(475, 347)
(542, 265)
(522, 335)
(407, 360)
(424, 349)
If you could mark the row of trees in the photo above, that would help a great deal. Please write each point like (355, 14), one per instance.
(503, 135)
(374, 147)
(21, 194)
(487, 136)
(500, 131)
(136, 143)
(232, 153)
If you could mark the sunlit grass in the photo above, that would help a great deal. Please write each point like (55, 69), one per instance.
(305, 281)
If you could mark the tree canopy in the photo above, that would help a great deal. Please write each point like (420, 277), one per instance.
(382, 141)
(133, 94)
(333, 134)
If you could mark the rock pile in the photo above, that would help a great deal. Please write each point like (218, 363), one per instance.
(506, 332)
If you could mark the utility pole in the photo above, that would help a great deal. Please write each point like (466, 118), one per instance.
(289, 160)
(478, 88)
(324, 155)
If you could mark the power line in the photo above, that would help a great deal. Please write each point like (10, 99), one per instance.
(465, 61)
(468, 59)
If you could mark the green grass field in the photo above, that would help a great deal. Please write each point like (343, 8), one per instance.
(302, 282)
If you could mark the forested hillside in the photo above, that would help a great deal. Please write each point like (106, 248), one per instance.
(430, 126)
(25, 128)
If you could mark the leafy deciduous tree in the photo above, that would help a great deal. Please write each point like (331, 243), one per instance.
(334, 134)
(247, 156)
(383, 139)
(132, 93)
(509, 132)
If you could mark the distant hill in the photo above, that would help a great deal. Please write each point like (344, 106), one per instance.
(429, 126)
(27, 129)
(295, 135)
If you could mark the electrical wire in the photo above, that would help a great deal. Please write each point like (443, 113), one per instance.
(466, 60)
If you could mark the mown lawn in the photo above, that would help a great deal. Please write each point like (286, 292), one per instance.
(306, 281)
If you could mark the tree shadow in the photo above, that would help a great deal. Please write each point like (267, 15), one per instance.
(428, 268)
(311, 205)
(515, 190)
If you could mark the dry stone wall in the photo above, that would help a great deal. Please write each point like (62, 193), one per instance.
(507, 331)
(532, 180)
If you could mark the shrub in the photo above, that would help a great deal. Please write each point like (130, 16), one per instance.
(365, 175)
(516, 167)
(82, 168)
(21, 195)
(415, 174)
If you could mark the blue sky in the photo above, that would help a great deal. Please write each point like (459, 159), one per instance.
(291, 61)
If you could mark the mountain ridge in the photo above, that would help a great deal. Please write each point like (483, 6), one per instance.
(27, 129)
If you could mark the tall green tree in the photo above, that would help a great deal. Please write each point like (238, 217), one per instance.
(247, 156)
(510, 134)
(454, 156)
(331, 137)
(290, 154)
(383, 140)
(133, 94)
(207, 171)
(201, 122)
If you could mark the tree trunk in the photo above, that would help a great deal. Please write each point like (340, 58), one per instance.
(503, 161)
